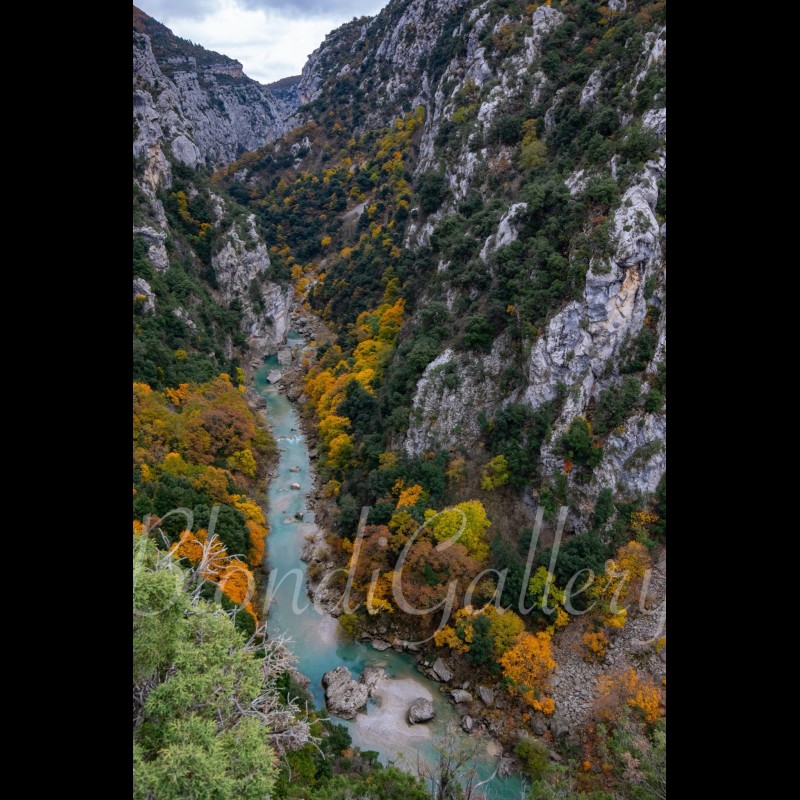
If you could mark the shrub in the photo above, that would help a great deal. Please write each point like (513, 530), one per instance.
(432, 191)
(615, 404)
(478, 333)
(534, 758)
(579, 446)
(653, 401)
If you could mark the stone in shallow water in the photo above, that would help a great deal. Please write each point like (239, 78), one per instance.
(421, 710)
(380, 644)
(343, 696)
(370, 677)
(295, 486)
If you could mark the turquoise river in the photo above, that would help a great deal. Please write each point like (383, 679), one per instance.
(315, 636)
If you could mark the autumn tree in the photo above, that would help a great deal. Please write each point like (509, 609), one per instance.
(527, 667)
(469, 519)
(621, 581)
(547, 599)
(503, 631)
(495, 474)
(627, 688)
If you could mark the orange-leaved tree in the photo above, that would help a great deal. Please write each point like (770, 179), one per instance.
(527, 667)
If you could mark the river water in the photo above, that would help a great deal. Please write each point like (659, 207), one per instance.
(316, 639)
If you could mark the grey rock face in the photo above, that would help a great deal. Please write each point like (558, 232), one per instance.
(460, 696)
(156, 249)
(141, 288)
(200, 118)
(380, 644)
(506, 232)
(421, 710)
(590, 90)
(285, 357)
(185, 151)
(442, 670)
(344, 696)
(467, 723)
(241, 262)
(559, 725)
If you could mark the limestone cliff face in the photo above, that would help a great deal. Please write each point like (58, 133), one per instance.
(197, 105)
(266, 319)
(580, 349)
(194, 108)
(473, 64)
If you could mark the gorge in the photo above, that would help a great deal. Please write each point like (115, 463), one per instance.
(426, 280)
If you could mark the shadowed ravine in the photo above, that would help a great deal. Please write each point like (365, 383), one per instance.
(316, 638)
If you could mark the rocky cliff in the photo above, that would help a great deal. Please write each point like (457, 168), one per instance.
(194, 110)
(196, 104)
(574, 97)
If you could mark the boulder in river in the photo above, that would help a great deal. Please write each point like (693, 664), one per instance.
(295, 486)
(299, 515)
(467, 723)
(371, 676)
(442, 670)
(343, 696)
(460, 696)
(380, 644)
(294, 469)
(505, 766)
(421, 710)
(274, 375)
(284, 356)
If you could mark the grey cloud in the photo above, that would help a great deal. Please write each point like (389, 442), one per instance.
(186, 9)
(316, 8)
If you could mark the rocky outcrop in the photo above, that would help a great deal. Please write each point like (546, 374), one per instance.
(156, 249)
(445, 410)
(242, 263)
(344, 696)
(579, 351)
(142, 293)
(506, 232)
(421, 710)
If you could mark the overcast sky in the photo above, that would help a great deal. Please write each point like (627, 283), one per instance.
(272, 38)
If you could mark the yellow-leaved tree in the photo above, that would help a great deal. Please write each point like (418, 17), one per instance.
(469, 517)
